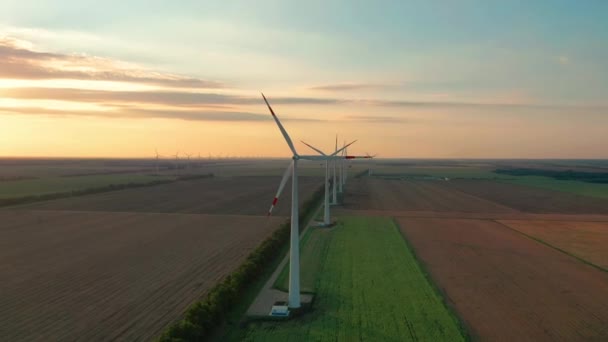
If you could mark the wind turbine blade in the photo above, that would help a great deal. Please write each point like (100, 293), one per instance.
(336, 149)
(283, 131)
(314, 148)
(286, 177)
(340, 150)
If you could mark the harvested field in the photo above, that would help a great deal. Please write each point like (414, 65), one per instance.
(218, 195)
(378, 194)
(509, 287)
(585, 240)
(112, 276)
(530, 199)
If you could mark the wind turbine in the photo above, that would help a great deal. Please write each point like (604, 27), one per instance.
(294, 241)
(334, 184)
(328, 158)
(342, 180)
(188, 155)
(157, 160)
(176, 156)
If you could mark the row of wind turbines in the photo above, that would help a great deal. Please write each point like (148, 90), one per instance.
(184, 162)
(336, 159)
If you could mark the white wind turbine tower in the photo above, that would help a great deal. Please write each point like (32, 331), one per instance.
(334, 184)
(157, 160)
(332, 157)
(341, 170)
(294, 241)
(176, 156)
(188, 155)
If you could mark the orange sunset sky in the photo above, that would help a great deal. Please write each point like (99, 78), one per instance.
(407, 79)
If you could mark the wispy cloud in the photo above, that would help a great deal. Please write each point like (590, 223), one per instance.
(380, 119)
(138, 113)
(170, 98)
(202, 99)
(19, 61)
(344, 87)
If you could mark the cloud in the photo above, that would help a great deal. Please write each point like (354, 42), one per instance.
(19, 61)
(186, 99)
(380, 119)
(347, 87)
(170, 98)
(129, 112)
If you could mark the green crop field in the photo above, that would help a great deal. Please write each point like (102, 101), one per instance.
(50, 185)
(369, 287)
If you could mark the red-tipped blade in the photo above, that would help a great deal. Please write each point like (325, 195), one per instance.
(284, 180)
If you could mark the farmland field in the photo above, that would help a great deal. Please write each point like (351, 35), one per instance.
(479, 240)
(106, 276)
(50, 185)
(370, 193)
(484, 171)
(575, 187)
(585, 240)
(473, 196)
(505, 285)
(219, 195)
(531, 199)
(369, 288)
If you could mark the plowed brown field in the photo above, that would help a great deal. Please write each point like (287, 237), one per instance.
(219, 195)
(416, 195)
(585, 240)
(87, 276)
(530, 199)
(509, 287)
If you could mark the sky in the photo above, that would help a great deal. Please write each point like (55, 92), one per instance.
(409, 79)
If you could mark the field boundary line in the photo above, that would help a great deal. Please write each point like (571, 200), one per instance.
(545, 243)
(450, 307)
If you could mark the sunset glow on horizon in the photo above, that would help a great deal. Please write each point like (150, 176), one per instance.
(481, 79)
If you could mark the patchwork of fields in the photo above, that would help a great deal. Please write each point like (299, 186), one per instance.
(514, 262)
